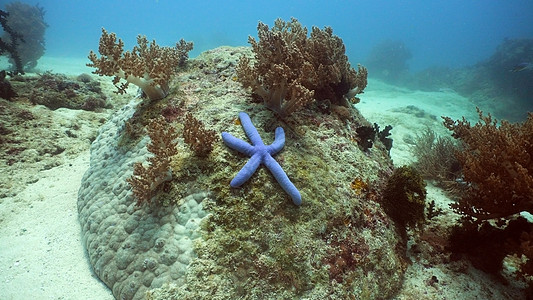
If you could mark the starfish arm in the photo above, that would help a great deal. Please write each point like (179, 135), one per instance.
(250, 130)
(237, 144)
(278, 143)
(247, 171)
(282, 179)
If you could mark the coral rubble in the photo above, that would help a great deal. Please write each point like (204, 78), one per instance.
(35, 137)
(56, 90)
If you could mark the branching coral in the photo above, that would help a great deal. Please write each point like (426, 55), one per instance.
(291, 69)
(11, 46)
(435, 157)
(145, 181)
(199, 139)
(25, 23)
(148, 65)
(497, 162)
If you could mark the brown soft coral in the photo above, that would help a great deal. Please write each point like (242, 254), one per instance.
(145, 181)
(291, 69)
(199, 139)
(497, 164)
(148, 65)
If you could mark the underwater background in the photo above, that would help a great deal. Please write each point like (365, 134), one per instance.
(442, 33)
(390, 177)
(415, 44)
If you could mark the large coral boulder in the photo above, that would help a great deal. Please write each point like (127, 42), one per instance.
(202, 239)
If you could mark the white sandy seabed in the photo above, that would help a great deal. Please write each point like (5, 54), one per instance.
(41, 255)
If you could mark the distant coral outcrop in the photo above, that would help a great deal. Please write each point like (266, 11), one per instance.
(388, 60)
(24, 33)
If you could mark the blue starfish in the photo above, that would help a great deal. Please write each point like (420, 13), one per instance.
(259, 153)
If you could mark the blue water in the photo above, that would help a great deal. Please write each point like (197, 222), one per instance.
(446, 33)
